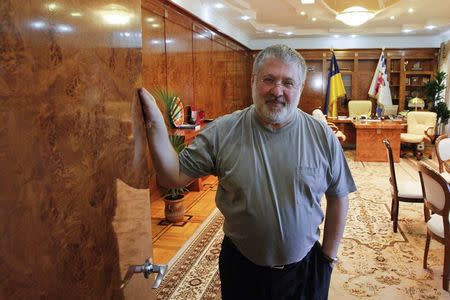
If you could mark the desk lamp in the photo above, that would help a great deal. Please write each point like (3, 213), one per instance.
(416, 103)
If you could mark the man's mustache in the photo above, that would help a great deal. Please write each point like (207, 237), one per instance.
(279, 100)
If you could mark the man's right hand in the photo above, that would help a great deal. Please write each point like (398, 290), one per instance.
(152, 114)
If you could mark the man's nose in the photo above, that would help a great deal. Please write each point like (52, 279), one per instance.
(277, 89)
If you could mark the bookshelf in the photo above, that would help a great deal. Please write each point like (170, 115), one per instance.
(407, 73)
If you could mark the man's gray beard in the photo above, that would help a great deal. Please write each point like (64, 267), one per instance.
(278, 116)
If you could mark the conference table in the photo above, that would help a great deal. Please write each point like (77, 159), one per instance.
(368, 136)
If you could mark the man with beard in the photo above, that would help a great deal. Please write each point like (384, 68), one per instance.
(274, 164)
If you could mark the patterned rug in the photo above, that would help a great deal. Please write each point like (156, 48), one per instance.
(375, 262)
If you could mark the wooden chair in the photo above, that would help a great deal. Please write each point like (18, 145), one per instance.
(442, 147)
(404, 190)
(436, 194)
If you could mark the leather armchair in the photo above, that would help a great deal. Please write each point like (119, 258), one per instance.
(421, 126)
(356, 108)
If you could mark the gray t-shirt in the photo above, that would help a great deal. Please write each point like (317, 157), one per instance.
(270, 181)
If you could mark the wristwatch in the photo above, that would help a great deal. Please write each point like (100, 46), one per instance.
(331, 260)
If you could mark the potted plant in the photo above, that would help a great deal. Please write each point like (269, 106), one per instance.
(174, 203)
(434, 94)
(173, 106)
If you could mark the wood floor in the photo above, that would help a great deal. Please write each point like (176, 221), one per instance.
(169, 238)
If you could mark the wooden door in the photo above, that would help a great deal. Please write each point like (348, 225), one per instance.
(74, 200)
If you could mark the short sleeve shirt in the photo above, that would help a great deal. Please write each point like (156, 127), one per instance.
(271, 182)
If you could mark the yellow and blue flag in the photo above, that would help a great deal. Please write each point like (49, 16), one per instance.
(335, 89)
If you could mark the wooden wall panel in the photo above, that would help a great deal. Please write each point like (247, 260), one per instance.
(203, 76)
(72, 214)
(311, 97)
(229, 81)
(219, 65)
(180, 61)
(153, 50)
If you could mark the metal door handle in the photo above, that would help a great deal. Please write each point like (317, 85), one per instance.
(147, 268)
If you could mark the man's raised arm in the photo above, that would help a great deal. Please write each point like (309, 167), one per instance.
(164, 157)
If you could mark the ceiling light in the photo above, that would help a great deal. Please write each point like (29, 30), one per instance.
(75, 14)
(289, 33)
(411, 10)
(392, 17)
(314, 19)
(245, 18)
(302, 13)
(307, 1)
(430, 27)
(336, 35)
(270, 30)
(355, 16)
(354, 35)
(407, 30)
(219, 5)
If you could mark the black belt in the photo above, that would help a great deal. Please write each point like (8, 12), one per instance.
(275, 267)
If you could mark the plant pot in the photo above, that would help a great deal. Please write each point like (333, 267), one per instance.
(174, 209)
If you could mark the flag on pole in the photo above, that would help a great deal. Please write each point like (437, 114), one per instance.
(379, 87)
(335, 89)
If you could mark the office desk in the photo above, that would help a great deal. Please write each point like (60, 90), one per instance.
(369, 139)
(348, 129)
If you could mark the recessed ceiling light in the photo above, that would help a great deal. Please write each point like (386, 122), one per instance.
(307, 1)
(392, 17)
(302, 13)
(314, 19)
(289, 33)
(270, 30)
(219, 5)
(336, 35)
(156, 25)
(75, 14)
(245, 18)
(430, 27)
(411, 10)
(150, 20)
(354, 35)
(406, 30)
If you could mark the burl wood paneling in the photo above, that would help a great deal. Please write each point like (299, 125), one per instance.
(72, 215)
(180, 61)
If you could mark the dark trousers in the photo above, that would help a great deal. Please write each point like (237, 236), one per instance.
(308, 279)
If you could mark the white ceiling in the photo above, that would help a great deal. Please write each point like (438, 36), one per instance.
(283, 16)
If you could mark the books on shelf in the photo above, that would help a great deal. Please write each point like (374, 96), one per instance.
(189, 126)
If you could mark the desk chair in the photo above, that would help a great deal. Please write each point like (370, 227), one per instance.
(356, 108)
(436, 195)
(420, 130)
(404, 190)
(319, 116)
(442, 148)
